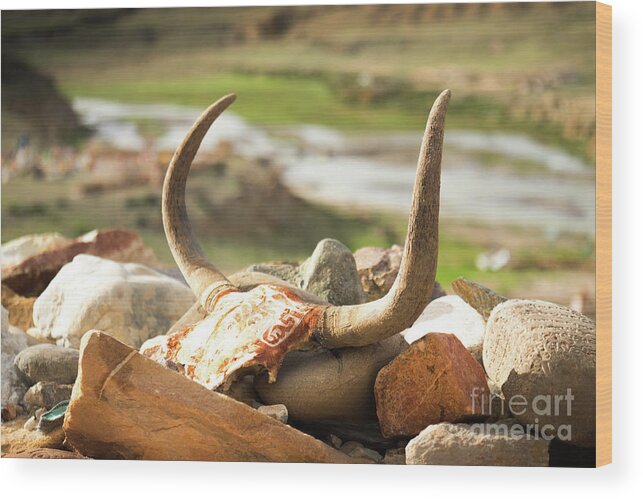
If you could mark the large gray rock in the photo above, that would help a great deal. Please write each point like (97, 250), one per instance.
(13, 342)
(48, 363)
(499, 444)
(330, 273)
(129, 301)
(330, 386)
(543, 358)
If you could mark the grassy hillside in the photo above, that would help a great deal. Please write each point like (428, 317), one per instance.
(527, 67)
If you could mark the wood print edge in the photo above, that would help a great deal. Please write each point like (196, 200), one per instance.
(603, 234)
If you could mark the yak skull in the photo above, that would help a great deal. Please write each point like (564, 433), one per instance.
(259, 327)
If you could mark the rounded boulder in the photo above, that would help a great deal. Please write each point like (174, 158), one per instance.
(543, 358)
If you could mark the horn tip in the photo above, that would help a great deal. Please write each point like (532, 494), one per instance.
(222, 104)
(444, 97)
(439, 108)
(226, 100)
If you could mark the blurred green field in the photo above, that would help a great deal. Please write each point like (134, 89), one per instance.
(522, 67)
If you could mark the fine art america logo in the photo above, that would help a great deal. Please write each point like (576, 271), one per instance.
(545, 406)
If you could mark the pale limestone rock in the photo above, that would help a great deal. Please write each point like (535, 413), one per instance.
(130, 301)
(450, 314)
(30, 424)
(498, 444)
(543, 358)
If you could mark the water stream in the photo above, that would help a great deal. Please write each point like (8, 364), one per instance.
(554, 192)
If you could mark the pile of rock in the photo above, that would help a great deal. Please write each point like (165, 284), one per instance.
(540, 362)
(478, 379)
(73, 286)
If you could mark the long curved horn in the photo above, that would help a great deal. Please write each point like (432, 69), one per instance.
(201, 275)
(359, 325)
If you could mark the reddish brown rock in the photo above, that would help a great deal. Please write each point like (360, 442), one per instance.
(126, 406)
(31, 276)
(436, 379)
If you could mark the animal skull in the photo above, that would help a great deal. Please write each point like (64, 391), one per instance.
(259, 327)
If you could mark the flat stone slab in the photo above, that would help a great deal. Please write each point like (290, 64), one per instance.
(126, 406)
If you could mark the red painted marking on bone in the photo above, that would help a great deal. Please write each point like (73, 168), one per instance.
(244, 329)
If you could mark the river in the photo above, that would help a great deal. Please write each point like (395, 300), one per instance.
(487, 177)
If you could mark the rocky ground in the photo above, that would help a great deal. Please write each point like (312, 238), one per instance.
(477, 380)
